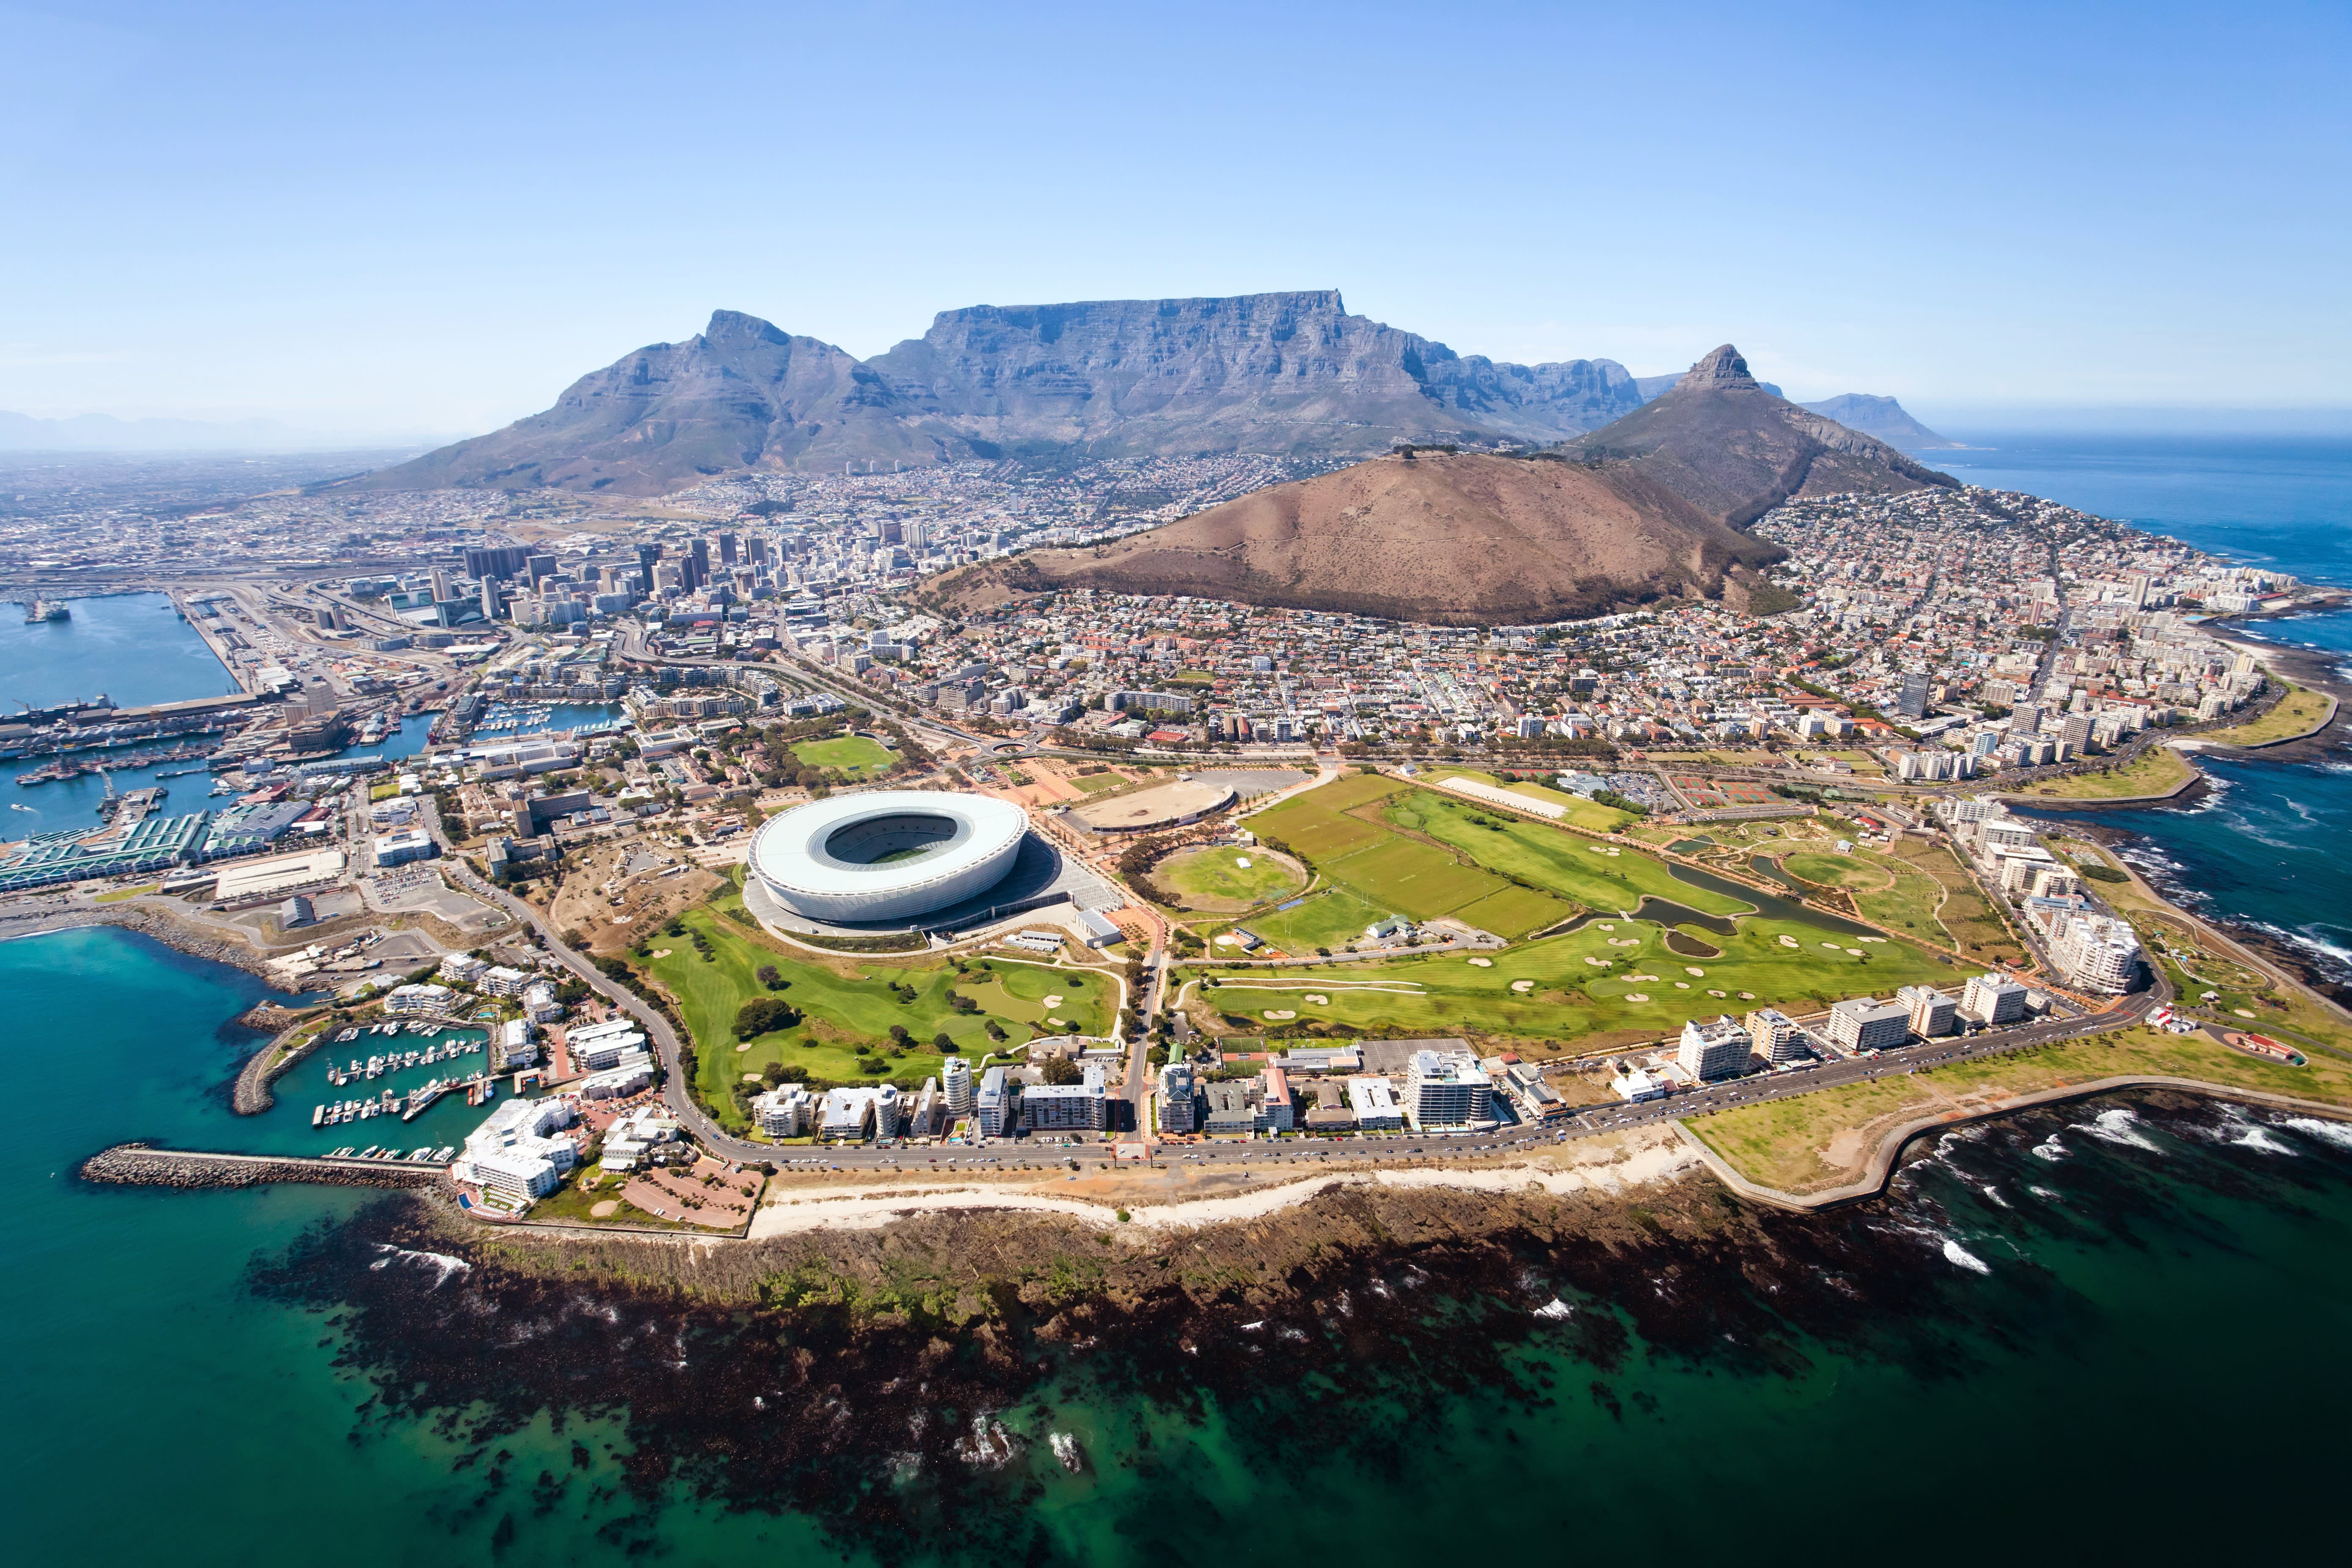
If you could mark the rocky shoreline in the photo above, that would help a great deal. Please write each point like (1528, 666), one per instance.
(147, 922)
(882, 1381)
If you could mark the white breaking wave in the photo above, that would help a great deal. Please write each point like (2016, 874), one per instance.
(1555, 1309)
(1954, 1253)
(2118, 1127)
(441, 1264)
(2336, 1132)
(2051, 1150)
(2257, 1139)
(2043, 1193)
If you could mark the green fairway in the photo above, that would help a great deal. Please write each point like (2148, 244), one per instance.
(848, 1007)
(1514, 912)
(854, 755)
(1570, 1000)
(1575, 867)
(1227, 878)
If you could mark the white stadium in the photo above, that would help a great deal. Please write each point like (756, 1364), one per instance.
(886, 855)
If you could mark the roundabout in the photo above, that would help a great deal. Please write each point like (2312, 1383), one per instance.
(886, 856)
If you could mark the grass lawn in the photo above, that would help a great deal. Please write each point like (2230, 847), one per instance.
(583, 1191)
(1836, 870)
(1314, 822)
(1976, 928)
(119, 894)
(848, 1007)
(1814, 1141)
(1095, 783)
(1419, 879)
(850, 754)
(1216, 879)
(2294, 714)
(1332, 918)
(2153, 772)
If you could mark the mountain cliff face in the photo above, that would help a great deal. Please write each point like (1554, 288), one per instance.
(1290, 373)
(1466, 539)
(1884, 419)
(1733, 450)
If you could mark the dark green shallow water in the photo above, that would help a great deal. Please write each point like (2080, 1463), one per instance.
(2150, 1366)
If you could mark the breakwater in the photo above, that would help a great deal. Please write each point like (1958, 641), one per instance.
(138, 1165)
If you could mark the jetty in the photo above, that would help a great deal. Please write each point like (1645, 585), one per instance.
(142, 1166)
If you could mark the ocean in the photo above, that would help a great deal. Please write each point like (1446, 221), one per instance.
(2052, 1318)
(2103, 1331)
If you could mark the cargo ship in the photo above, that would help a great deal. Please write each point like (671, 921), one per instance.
(46, 610)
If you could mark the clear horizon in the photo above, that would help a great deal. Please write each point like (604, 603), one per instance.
(425, 224)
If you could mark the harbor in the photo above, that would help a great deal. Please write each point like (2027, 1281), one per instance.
(422, 1078)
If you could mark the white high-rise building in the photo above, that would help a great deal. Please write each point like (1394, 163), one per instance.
(1868, 1024)
(2099, 953)
(1445, 1092)
(1992, 999)
(1932, 1011)
(1775, 1035)
(955, 1082)
(1178, 1111)
(1719, 1049)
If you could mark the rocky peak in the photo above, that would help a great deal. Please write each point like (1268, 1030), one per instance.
(1722, 370)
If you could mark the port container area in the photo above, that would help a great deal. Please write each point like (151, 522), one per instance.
(396, 1080)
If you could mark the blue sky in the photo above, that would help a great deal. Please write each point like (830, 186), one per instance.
(430, 218)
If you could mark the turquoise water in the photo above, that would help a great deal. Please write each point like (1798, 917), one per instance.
(2161, 1298)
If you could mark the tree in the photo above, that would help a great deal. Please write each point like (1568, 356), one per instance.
(944, 1043)
(764, 1014)
(771, 979)
(1062, 1069)
(899, 1036)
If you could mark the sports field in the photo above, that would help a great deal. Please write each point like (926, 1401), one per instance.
(1227, 878)
(853, 755)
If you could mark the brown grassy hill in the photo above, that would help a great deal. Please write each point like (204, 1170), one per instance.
(1454, 540)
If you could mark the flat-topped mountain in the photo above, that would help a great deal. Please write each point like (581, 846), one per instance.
(1733, 450)
(1463, 540)
(1884, 419)
(1286, 373)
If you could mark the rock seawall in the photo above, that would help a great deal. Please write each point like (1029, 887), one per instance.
(137, 1165)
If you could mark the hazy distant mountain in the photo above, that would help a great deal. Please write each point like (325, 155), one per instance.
(1722, 442)
(1467, 540)
(1884, 419)
(1290, 373)
(105, 433)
